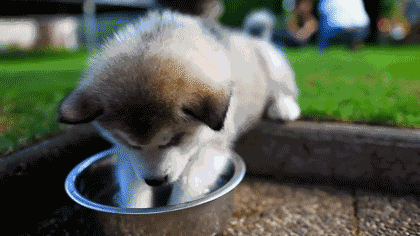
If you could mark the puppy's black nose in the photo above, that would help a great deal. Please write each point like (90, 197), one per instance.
(156, 181)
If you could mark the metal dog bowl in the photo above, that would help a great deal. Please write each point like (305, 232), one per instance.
(105, 185)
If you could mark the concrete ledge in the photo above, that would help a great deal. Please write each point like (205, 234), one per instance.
(342, 132)
(353, 156)
(32, 180)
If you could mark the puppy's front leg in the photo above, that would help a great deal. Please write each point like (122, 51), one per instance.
(200, 176)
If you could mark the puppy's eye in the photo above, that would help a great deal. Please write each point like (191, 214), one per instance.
(175, 140)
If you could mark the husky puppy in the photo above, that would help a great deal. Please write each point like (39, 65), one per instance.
(165, 91)
(260, 20)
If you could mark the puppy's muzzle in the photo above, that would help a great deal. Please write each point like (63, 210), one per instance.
(154, 182)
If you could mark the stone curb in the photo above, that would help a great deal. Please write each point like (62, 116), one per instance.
(377, 159)
(348, 133)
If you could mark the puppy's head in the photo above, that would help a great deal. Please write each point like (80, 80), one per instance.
(151, 88)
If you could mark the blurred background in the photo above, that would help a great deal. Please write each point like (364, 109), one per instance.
(34, 24)
(355, 61)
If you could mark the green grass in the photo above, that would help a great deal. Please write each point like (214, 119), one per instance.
(374, 86)
(31, 87)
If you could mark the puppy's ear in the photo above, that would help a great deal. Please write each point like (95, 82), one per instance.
(209, 111)
(78, 108)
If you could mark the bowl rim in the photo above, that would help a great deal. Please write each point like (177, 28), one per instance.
(72, 192)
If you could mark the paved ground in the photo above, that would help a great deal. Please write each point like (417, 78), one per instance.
(269, 208)
(380, 215)
(264, 208)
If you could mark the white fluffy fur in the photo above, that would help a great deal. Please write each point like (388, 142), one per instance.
(254, 69)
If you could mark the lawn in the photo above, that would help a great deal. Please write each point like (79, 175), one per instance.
(375, 86)
(31, 87)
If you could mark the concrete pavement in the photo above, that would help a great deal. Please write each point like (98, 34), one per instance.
(269, 208)
(272, 208)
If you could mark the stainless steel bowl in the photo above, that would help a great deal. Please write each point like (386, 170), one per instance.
(104, 184)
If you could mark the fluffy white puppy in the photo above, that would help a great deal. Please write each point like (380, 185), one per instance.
(166, 92)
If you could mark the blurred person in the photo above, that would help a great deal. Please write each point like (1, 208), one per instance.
(412, 15)
(384, 28)
(398, 32)
(344, 21)
(412, 12)
(64, 33)
(300, 27)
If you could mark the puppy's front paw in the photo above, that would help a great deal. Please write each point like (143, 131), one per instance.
(285, 109)
(200, 177)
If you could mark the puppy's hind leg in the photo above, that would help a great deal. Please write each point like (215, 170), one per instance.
(281, 82)
(285, 108)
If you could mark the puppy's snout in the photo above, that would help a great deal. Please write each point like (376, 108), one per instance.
(156, 181)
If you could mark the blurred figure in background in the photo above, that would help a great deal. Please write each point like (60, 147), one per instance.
(384, 28)
(398, 32)
(403, 29)
(260, 23)
(300, 26)
(344, 21)
(412, 14)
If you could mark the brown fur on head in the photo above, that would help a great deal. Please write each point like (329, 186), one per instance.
(160, 73)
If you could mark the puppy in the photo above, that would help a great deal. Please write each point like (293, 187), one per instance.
(259, 24)
(166, 92)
